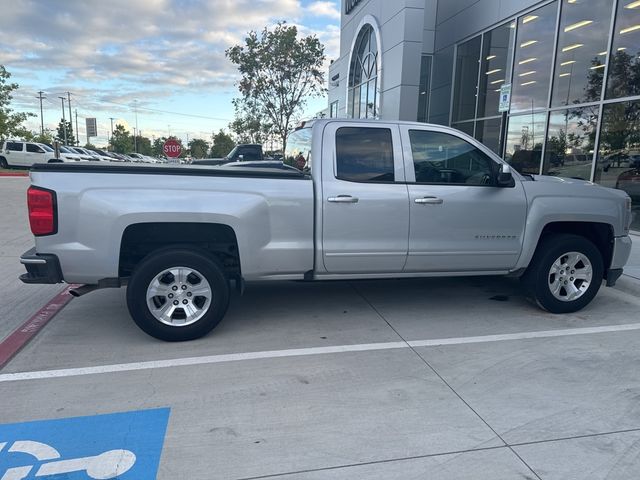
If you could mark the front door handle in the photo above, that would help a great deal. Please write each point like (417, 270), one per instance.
(429, 201)
(343, 199)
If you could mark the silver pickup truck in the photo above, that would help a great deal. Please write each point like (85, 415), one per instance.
(360, 199)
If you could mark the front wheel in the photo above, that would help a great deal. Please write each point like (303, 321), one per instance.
(178, 294)
(565, 273)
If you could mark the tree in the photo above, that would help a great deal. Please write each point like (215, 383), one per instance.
(222, 144)
(69, 139)
(198, 148)
(121, 141)
(45, 137)
(279, 71)
(10, 121)
(250, 124)
(156, 147)
(143, 145)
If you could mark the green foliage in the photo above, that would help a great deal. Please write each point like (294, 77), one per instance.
(10, 121)
(250, 124)
(60, 134)
(156, 147)
(45, 137)
(222, 144)
(198, 148)
(121, 141)
(143, 144)
(89, 145)
(278, 72)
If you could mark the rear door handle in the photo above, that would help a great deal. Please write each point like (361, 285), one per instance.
(343, 199)
(429, 201)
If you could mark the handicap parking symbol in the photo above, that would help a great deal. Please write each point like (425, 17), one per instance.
(125, 446)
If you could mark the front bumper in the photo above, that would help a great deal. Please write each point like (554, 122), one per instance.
(41, 268)
(621, 253)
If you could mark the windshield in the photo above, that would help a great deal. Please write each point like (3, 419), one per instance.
(46, 148)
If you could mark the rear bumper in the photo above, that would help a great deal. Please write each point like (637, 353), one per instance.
(41, 268)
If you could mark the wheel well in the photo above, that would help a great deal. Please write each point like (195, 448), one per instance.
(219, 241)
(600, 234)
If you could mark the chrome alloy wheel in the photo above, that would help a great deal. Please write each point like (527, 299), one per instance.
(179, 296)
(570, 276)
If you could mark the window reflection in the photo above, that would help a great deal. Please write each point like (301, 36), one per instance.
(571, 142)
(582, 51)
(618, 160)
(496, 68)
(488, 133)
(423, 93)
(534, 51)
(525, 137)
(466, 127)
(466, 83)
(624, 68)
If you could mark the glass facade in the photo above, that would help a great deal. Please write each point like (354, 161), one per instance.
(363, 98)
(574, 70)
(425, 87)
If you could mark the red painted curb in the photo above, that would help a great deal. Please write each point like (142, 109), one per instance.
(20, 337)
(14, 174)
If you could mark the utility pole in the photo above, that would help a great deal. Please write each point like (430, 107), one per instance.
(64, 121)
(135, 138)
(108, 142)
(77, 136)
(40, 96)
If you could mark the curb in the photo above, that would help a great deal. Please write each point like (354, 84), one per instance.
(14, 174)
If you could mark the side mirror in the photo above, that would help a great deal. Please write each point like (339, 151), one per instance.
(505, 177)
(241, 158)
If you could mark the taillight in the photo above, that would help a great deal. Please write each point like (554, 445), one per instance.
(42, 211)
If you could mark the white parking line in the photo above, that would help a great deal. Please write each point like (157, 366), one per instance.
(299, 352)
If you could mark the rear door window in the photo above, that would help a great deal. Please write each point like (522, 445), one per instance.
(364, 154)
(14, 146)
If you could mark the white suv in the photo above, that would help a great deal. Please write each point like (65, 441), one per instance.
(25, 154)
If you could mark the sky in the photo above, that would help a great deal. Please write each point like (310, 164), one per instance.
(163, 59)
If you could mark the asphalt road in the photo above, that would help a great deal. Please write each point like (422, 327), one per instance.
(427, 378)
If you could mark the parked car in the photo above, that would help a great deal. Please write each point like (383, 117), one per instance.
(361, 206)
(15, 153)
(240, 153)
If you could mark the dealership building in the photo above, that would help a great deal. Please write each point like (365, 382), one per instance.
(567, 72)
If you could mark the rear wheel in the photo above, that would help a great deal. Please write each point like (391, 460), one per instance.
(565, 273)
(3, 163)
(178, 294)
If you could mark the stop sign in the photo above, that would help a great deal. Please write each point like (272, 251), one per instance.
(172, 148)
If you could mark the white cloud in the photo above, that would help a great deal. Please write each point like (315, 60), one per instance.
(324, 9)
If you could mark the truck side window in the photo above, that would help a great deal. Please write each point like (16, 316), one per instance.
(364, 154)
(34, 148)
(443, 158)
(14, 146)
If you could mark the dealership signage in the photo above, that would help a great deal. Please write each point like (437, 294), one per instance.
(92, 127)
(350, 5)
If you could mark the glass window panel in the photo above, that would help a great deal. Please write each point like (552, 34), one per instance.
(571, 142)
(298, 151)
(534, 53)
(443, 158)
(488, 133)
(371, 99)
(466, 127)
(465, 90)
(525, 137)
(618, 158)
(424, 91)
(496, 68)
(582, 51)
(363, 100)
(364, 154)
(624, 67)
(334, 109)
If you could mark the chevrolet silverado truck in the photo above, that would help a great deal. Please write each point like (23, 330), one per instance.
(362, 200)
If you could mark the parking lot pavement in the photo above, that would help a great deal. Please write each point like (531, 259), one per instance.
(425, 378)
(19, 301)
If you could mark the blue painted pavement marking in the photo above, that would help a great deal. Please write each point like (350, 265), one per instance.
(126, 446)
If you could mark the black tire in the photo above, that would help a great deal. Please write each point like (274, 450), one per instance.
(538, 276)
(150, 267)
(3, 163)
